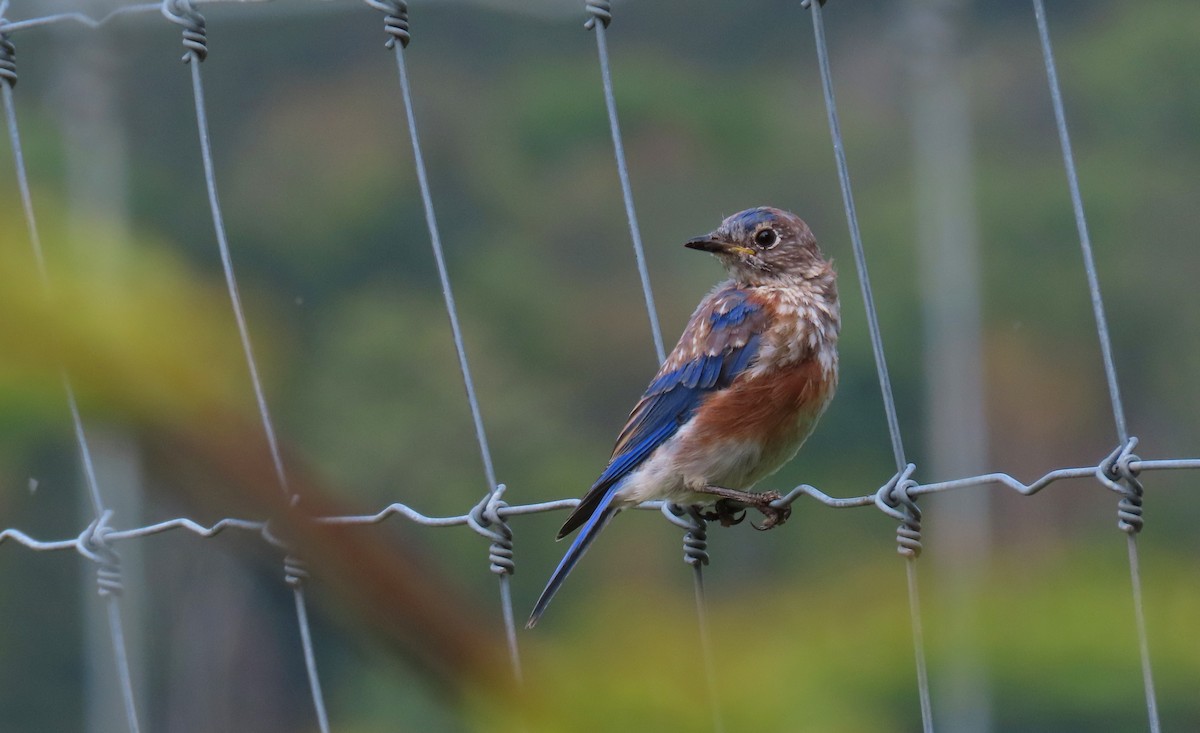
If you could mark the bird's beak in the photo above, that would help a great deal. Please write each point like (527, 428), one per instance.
(716, 245)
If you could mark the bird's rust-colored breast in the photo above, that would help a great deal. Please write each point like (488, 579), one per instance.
(765, 407)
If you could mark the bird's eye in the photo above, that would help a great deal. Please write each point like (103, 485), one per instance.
(766, 238)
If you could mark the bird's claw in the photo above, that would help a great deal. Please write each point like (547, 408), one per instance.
(733, 511)
(726, 511)
(772, 516)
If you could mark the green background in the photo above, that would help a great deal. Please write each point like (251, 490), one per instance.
(721, 108)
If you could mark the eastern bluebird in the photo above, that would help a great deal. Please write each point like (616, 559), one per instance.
(741, 391)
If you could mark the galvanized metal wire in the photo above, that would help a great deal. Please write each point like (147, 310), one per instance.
(397, 28)
(195, 43)
(601, 16)
(909, 533)
(415, 516)
(1119, 471)
(695, 553)
(93, 544)
(1133, 499)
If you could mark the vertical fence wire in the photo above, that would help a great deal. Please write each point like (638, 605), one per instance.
(510, 627)
(601, 15)
(1106, 350)
(885, 384)
(193, 58)
(195, 41)
(1139, 620)
(1085, 241)
(918, 635)
(310, 660)
(111, 599)
(860, 258)
(706, 651)
(396, 25)
(116, 631)
(439, 257)
(695, 553)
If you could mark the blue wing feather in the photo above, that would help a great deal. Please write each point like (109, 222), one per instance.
(742, 358)
(600, 516)
(719, 344)
(666, 417)
(734, 315)
(672, 398)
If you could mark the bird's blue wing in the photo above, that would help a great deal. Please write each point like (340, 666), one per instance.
(720, 342)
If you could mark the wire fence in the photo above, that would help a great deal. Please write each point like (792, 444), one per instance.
(1118, 472)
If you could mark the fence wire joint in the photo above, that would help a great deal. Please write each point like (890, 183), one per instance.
(395, 21)
(93, 544)
(8, 56)
(600, 10)
(195, 31)
(1118, 473)
(295, 571)
(482, 518)
(695, 538)
(895, 499)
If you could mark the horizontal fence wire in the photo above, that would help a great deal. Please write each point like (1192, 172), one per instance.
(1117, 472)
(1120, 463)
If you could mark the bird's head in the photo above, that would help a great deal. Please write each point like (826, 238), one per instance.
(763, 244)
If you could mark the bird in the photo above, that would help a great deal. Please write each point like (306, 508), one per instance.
(739, 394)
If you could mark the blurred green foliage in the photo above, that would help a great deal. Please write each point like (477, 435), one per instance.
(721, 110)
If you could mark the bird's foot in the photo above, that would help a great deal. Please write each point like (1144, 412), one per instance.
(772, 516)
(727, 511)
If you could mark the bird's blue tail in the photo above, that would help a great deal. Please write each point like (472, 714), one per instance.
(604, 511)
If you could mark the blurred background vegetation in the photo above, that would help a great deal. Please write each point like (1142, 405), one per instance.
(721, 108)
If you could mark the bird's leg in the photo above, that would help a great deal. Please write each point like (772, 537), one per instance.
(726, 511)
(731, 500)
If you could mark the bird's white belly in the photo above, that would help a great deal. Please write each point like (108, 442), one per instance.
(732, 464)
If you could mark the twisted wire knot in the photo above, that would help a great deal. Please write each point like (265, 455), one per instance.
(295, 571)
(93, 544)
(484, 516)
(695, 541)
(1129, 514)
(395, 21)
(195, 31)
(1118, 474)
(8, 58)
(895, 499)
(108, 578)
(600, 10)
(695, 538)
